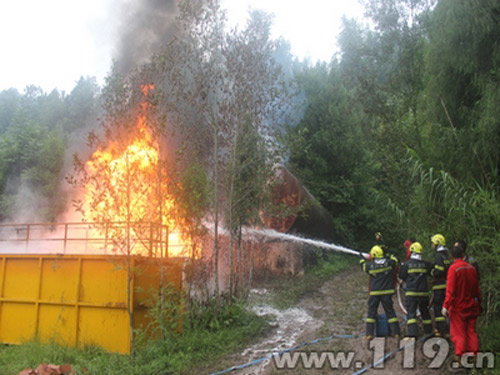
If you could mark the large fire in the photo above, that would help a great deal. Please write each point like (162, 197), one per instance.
(127, 189)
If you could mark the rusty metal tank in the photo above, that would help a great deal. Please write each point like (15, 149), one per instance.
(302, 213)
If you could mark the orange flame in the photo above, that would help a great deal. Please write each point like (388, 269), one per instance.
(126, 188)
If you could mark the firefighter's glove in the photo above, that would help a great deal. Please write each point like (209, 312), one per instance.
(395, 259)
(362, 259)
(444, 311)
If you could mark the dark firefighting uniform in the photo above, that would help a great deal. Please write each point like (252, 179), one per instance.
(463, 301)
(439, 272)
(473, 263)
(380, 271)
(415, 272)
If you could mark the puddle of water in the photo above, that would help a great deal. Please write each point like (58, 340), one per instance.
(288, 325)
(258, 291)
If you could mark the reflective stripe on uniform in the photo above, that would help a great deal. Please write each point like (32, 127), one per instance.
(393, 320)
(380, 270)
(427, 321)
(370, 320)
(412, 321)
(440, 319)
(439, 286)
(438, 267)
(417, 294)
(382, 292)
(417, 270)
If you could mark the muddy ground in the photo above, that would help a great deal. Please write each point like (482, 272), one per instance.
(337, 307)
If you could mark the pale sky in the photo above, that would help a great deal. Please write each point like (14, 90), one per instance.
(311, 26)
(51, 43)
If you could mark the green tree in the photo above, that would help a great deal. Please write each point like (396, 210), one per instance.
(215, 80)
(31, 160)
(36, 129)
(462, 63)
(329, 149)
(9, 102)
(384, 68)
(248, 174)
(82, 106)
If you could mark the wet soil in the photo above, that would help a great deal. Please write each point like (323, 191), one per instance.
(337, 307)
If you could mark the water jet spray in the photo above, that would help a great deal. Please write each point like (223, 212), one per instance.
(270, 233)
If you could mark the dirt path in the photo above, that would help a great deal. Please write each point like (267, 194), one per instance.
(337, 307)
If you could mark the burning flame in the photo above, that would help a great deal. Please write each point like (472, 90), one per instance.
(126, 188)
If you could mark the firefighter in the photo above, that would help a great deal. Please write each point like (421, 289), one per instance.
(380, 269)
(380, 242)
(415, 273)
(462, 304)
(439, 272)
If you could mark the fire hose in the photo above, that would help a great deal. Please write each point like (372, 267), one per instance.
(398, 291)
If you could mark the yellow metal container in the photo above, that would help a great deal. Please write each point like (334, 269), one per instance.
(78, 299)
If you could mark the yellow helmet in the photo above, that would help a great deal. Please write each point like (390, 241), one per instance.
(415, 247)
(438, 239)
(376, 252)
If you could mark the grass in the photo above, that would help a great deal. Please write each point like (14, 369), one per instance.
(489, 341)
(29, 355)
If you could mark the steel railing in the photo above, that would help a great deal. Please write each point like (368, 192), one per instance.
(145, 238)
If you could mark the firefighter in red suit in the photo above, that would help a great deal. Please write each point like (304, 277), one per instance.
(462, 304)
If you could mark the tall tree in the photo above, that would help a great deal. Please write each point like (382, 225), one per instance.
(384, 68)
(214, 80)
(9, 103)
(329, 149)
(462, 62)
(31, 158)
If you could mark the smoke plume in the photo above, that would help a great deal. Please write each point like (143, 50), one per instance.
(146, 26)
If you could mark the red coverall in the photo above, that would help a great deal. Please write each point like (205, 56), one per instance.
(463, 300)
(407, 245)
